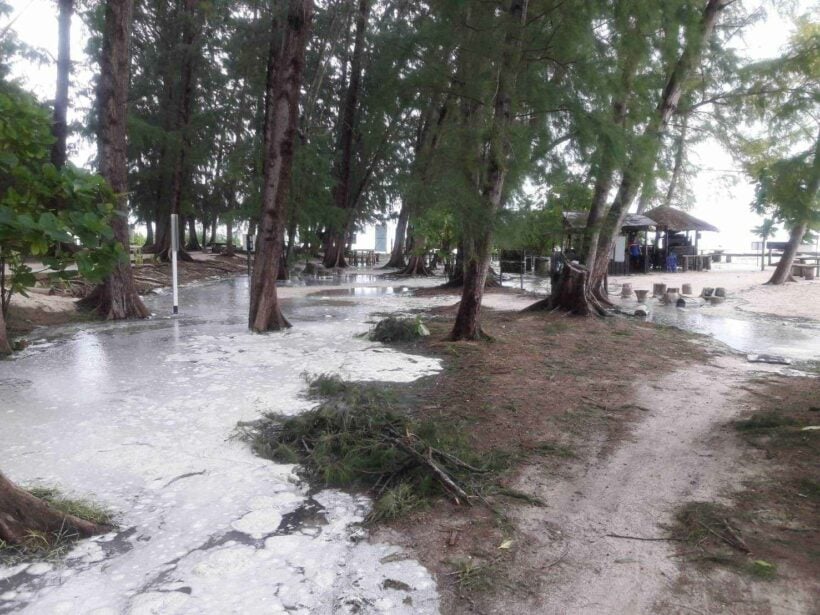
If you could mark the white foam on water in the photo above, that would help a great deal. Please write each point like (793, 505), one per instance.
(139, 416)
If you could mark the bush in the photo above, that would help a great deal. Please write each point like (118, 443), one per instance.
(393, 329)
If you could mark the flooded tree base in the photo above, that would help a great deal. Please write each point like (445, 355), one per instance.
(22, 515)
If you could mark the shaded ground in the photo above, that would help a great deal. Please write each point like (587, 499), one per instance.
(613, 425)
(550, 391)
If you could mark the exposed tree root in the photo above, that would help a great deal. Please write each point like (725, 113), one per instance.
(571, 293)
(21, 513)
(416, 268)
(458, 281)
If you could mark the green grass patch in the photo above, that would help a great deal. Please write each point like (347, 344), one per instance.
(357, 437)
(78, 508)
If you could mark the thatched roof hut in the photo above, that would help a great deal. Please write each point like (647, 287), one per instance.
(671, 219)
(576, 221)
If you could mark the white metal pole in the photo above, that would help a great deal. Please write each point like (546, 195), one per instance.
(174, 248)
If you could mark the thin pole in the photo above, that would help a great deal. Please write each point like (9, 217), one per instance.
(174, 248)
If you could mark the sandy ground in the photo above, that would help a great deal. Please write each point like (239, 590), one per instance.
(630, 486)
(672, 456)
(799, 299)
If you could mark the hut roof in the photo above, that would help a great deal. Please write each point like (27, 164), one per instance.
(577, 220)
(676, 220)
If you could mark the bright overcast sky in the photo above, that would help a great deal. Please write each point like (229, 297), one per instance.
(725, 206)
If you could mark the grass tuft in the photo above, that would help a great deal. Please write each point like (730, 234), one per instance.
(473, 576)
(78, 508)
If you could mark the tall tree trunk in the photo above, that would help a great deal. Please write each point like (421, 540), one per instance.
(479, 246)
(230, 250)
(21, 514)
(655, 130)
(5, 347)
(677, 169)
(190, 36)
(193, 239)
(60, 123)
(116, 298)
(214, 223)
(397, 253)
(335, 244)
(783, 271)
(149, 233)
(285, 68)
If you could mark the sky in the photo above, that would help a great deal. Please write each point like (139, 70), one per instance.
(723, 203)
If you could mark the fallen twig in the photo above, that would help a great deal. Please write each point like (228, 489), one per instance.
(650, 539)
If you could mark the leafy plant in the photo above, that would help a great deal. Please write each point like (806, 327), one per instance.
(42, 208)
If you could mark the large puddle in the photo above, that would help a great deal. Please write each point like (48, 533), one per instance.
(750, 333)
(138, 416)
(742, 331)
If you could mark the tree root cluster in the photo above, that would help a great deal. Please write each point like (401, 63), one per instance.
(571, 292)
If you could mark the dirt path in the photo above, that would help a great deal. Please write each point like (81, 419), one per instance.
(675, 454)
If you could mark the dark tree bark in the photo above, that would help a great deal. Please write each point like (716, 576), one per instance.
(21, 513)
(416, 267)
(60, 124)
(397, 254)
(212, 239)
(5, 347)
(204, 230)
(116, 298)
(677, 169)
(230, 250)
(783, 271)
(478, 244)
(149, 233)
(282, 275)
(285, 68)
(193, 239)
(337, 237)
(190, 35)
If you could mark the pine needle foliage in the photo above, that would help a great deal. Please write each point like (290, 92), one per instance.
(357, 438)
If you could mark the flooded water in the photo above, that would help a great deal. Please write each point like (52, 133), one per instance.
(749, 333)
(742, 331)
(138, 417)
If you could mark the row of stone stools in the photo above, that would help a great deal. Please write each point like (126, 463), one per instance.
(682, 295)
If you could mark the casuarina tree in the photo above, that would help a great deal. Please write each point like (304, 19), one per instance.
(116, 297)
(285, 67)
